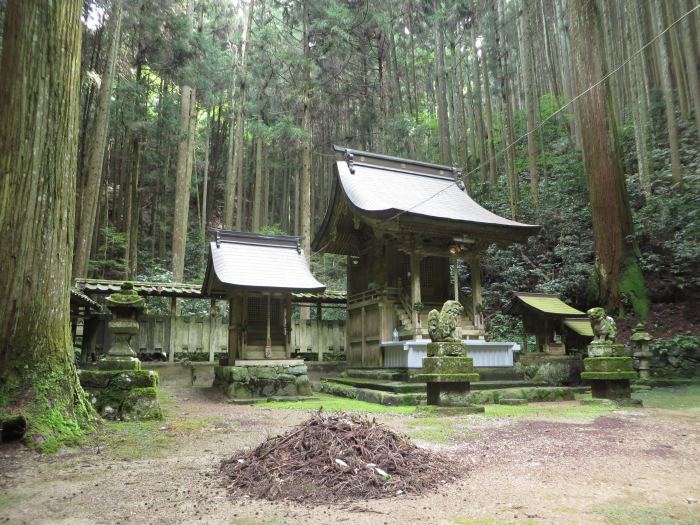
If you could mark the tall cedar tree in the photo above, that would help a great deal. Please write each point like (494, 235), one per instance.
(39, 111)
(617, 271)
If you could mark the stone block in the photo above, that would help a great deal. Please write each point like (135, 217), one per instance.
(608, 364)
(443, 348)
(141, 404)
(448, 365)
(609, 376)
(119, 363)
(262, 372)
(128, 379)
(606, 349)
(286, 377)
(297, 370)
(446, 378)
(615, 389)
(239, 391)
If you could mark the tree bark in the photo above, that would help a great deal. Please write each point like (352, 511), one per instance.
(93, 177)
(617, 271)
(530, 103)
(305, 182)
(183, 170)
(667, 89)
(443, 123)
(691, 61)
(39, 115)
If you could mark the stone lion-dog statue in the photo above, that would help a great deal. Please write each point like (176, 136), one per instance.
(604, 328)
(442, 325)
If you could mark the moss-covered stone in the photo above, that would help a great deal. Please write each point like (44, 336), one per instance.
(606, 349)
(448, 365)
(609, 376)
(446, 378)
(447, 348)
(608, 364)
(141, 404)
(119, 363)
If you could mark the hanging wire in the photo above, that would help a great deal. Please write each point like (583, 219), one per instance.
(543, 122)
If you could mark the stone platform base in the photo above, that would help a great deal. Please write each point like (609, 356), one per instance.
(609, 376)
(613, 402)
(255, 380)
(429, 410)
(126, 395)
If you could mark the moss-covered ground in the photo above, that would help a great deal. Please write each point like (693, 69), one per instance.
(686, 398)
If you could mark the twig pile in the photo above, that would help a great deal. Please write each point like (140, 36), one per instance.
(332, 459)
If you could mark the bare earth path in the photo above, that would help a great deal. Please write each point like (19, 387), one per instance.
(626, 466)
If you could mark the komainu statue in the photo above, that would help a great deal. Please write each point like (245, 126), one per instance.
(604, 328)
(442, 325)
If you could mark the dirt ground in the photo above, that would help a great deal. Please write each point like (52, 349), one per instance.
(537, 464)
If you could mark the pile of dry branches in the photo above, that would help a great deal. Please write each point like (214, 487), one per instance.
(335, 458)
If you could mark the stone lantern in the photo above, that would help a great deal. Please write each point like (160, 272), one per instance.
(119, 389)
(125, 305)
(640, 339)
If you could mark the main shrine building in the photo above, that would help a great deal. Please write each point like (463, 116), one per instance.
(404, 224)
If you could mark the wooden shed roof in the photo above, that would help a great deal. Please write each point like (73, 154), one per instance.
(249, 261)
(580, 326)
(549, 304)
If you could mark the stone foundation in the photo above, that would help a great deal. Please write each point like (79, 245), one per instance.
(609, 376)
(263, 379)
(125, 395)
(447, 373)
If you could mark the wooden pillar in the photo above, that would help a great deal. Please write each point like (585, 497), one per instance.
(476, 291)
(288, 326)
(319, 310)
(268, 340)
(173, 329)
(415, 290)
(456, 279)
(212, 329)
(234, 328)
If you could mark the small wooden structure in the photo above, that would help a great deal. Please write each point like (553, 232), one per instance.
(555, 325)
(404, 224)
(257, 274)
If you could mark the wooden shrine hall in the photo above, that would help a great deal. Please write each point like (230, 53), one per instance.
(257, 274)
(404, 224)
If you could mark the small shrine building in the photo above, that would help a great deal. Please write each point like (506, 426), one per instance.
(257, 274)
(404, 224)
(557, 327)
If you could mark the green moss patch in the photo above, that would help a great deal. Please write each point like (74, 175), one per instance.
(609, 376)
(448, 365)
(608, 364)
(446, 378)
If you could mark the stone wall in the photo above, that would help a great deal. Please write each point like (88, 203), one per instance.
(262, 380)
(675, 357)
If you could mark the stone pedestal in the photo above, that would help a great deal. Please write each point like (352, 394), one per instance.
(247, 381)
(609, 376)
(448, 374)
(640, 339)
(119, 389)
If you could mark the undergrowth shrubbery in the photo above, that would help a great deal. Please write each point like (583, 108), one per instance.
(552, 374)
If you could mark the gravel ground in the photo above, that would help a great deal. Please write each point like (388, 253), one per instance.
(631, 466)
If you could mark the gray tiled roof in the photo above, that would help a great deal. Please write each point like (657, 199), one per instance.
(244, 260)
(373, 188)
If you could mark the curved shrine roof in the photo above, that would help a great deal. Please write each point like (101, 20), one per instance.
(257, 263)
(386, 188)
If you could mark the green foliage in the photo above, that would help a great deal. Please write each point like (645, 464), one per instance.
(109, 262)
(552, 374)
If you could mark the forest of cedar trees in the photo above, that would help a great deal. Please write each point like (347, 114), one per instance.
(582, 116)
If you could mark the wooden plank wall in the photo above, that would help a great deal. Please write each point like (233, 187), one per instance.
(318, 336)
(202, 334)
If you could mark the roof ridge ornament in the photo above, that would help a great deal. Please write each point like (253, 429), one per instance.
(349, 158)
(218, 238)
